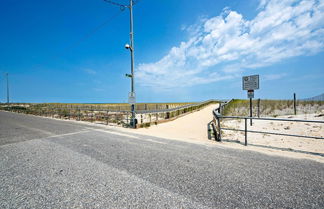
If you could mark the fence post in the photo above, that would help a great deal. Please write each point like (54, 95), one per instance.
(245, 131)
(107, 117)
(91, 114)
(259, 107)
(168, 113)
(79, 111)
(295, 111)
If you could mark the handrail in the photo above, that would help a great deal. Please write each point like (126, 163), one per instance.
(277, 119)
(176, 108)
(216, 113)
(217, 116)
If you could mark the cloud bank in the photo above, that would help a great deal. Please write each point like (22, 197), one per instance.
(222, 47)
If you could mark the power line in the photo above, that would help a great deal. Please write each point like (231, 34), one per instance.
(122, 6)
(102, 25)
(87, 35)
(93, 31)
(116, 3)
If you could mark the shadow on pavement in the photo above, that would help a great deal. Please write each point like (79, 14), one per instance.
(275, 148)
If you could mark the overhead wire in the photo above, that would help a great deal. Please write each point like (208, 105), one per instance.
(94, 30)
(102, 25)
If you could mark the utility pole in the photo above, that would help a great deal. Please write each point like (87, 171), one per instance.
(131, 34)
(131, 48)
(7, 75)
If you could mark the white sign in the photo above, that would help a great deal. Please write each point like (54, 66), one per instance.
(250, 94)
(250, 82)
(131, 98)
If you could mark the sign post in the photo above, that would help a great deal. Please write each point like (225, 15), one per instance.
(250, 96)
(250, 83)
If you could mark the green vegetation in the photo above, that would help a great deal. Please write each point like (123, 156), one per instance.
(105, 113)
(272, 107)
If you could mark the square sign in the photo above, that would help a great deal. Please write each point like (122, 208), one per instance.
(250, 82)
(131, 98)
(250, 94)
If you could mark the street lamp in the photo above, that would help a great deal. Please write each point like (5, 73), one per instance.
(131, 96)
(130, 46)
(127, 46)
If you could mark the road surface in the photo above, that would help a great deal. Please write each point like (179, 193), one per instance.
(46, 163)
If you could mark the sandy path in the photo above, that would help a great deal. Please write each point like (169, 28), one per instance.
(191, 127)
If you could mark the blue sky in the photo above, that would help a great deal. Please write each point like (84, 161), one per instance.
(185, 50)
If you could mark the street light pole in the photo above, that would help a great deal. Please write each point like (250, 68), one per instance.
(131, 34)
(131, 48)
(7, 75)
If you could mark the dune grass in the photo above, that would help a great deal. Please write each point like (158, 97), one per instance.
(273, 107)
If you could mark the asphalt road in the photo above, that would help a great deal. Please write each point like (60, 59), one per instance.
(46, 163)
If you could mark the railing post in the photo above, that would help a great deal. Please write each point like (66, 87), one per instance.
(259, 108)
(209, 130)
(250, 111)
(295, 110)
(245, 131)
(219, 130)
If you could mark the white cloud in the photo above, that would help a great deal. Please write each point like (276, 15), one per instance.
(90, 71)
(271, 77)
(222, 47)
